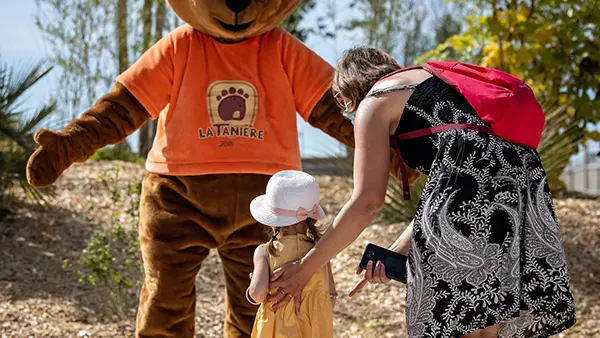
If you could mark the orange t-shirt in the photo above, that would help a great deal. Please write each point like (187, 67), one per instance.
(226, 108)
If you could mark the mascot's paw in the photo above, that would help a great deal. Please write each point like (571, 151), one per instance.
(48, 161)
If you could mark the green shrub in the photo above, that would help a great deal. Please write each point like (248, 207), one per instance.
(112, 258)
(111, 153)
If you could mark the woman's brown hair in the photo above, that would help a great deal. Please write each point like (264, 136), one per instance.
(358, 70)
(314, 233)
(356, 73)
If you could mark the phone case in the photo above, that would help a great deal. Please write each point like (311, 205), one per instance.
(395, 263)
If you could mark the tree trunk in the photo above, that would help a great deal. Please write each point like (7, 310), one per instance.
(159, 27)
(148, 130)
(121, 35)
(161, 17)
(122, 52)
(498, 31)
(144, 136)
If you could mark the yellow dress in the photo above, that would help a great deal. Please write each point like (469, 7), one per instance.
(316, 313)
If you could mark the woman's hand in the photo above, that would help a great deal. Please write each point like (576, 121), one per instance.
(290, 279)
(374, 277)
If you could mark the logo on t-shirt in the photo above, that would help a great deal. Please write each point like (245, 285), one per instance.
(232, 107)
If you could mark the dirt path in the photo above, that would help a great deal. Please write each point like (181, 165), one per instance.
(38, 298)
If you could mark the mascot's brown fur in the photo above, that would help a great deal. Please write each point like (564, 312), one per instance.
(226, 123)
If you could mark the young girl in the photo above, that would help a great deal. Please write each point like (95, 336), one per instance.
(291, 209)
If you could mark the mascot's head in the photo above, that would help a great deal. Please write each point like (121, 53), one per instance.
(233, 20)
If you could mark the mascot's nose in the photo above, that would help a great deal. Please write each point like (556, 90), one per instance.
(237, 5)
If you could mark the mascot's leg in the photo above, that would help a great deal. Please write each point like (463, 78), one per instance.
(174, 244)
(237, 253)
(181, 219)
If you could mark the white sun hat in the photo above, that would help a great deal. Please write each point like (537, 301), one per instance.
(291, 197)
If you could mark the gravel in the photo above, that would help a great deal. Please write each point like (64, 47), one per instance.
(38, 298)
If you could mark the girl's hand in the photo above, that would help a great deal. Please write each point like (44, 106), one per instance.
(374, 277)
(290, 279)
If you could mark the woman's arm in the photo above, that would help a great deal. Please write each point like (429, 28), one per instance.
(402, 244)
(259, 285)
(373, 122)
(371, 173)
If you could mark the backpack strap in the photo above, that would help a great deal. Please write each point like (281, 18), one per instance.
(426, 132)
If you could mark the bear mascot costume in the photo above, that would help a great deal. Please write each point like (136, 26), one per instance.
(225, 88)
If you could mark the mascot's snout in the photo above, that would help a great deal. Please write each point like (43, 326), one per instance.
(237, 5)
(233, 20)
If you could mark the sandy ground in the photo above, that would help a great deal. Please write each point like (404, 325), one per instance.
(38, 298)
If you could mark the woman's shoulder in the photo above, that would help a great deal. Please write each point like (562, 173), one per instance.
(408, 78)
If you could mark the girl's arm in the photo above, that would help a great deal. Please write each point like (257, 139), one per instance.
(332, 290)
(259, 285)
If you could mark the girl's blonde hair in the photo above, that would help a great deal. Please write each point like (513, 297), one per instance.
(314, 233)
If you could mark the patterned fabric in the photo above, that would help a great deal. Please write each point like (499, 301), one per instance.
(486, 245)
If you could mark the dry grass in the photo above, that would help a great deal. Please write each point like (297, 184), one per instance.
(39, 299)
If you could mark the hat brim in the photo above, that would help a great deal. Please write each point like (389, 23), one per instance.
(261, 211)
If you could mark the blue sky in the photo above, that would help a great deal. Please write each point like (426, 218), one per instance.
(21, 43)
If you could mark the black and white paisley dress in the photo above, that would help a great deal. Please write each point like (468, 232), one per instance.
(486, 246)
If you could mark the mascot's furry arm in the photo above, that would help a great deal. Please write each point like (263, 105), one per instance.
(118, 114)
(115, 116)
(326, 115)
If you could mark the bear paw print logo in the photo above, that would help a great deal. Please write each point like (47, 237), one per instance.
(232, 104)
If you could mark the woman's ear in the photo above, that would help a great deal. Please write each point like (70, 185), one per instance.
(327, 116)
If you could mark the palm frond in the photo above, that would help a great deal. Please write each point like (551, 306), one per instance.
(15, 133)
(40, 116)
(23, 81)
(560, 141)
(396, 209)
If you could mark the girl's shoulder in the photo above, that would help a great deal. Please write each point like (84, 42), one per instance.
(262, 251)
(261, 248)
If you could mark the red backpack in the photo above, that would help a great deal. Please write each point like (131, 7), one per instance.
(504, 102)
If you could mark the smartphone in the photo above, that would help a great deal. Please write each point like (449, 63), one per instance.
(395, 263)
